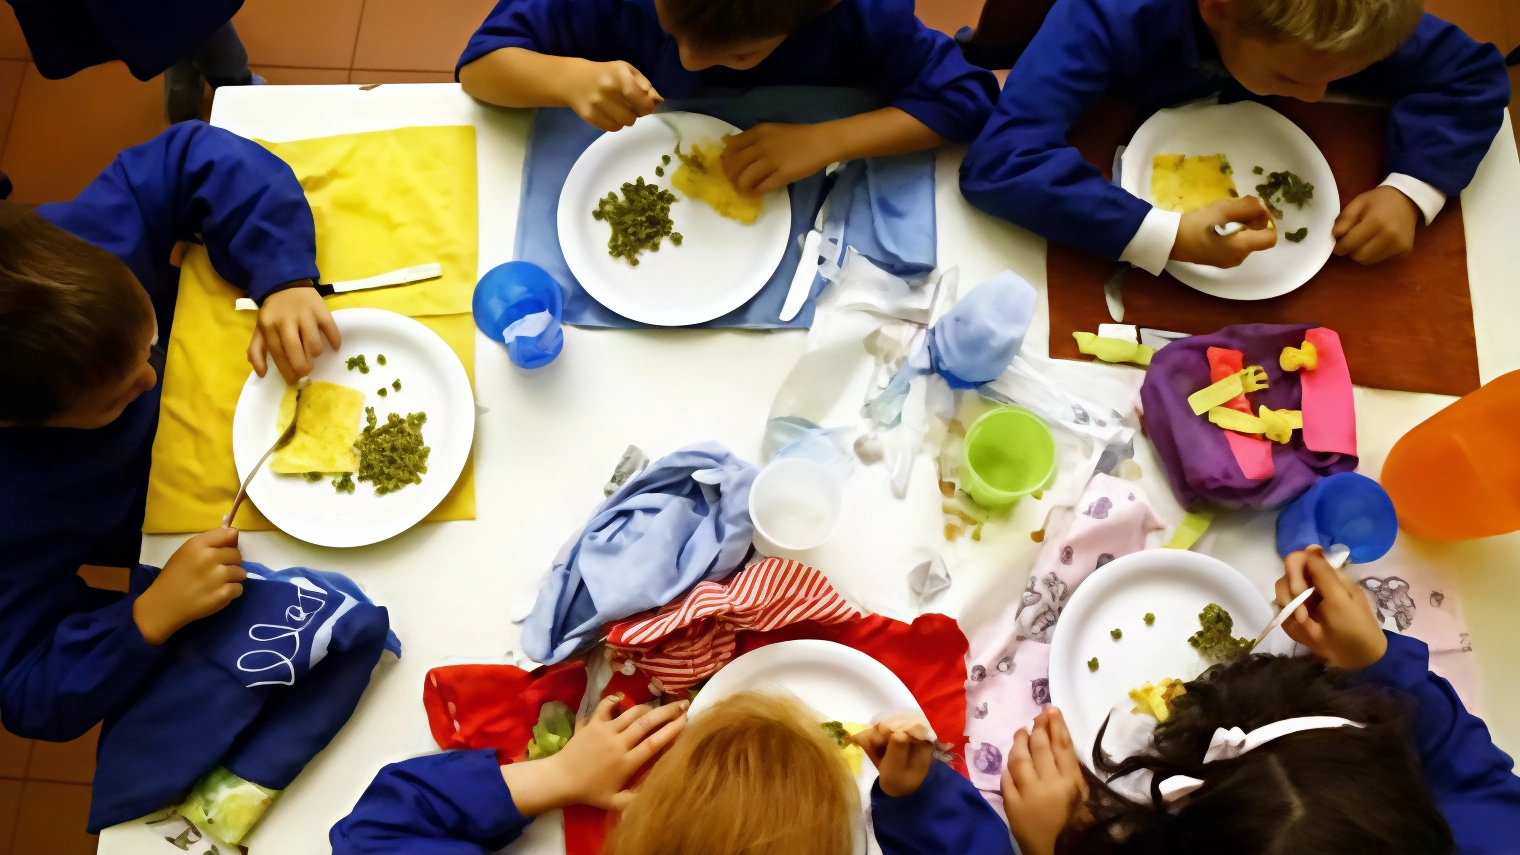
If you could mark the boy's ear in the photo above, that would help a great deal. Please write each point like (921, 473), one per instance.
(1215, 12)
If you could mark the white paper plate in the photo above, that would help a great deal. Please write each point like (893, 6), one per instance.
(1250, 135)
(432, 381)
(1172, 584)
(720, 263)
(839, 682)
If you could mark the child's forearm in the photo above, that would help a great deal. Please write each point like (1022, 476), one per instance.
(517, 77)
(875, 134)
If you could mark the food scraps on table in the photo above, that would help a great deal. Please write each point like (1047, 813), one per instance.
(325, 430)
(1297, 234)
(555, 727)
(701, 177)
(1092, 664)
(1113, 349)
(392, 455)
(1252, 378)
(1214, 639)
(840, 732)
(1284, 188)
(1305, 357)
(1156, 699)
(1184, 183)
(640, 220)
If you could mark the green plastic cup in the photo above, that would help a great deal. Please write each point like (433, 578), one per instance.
(1010, 452)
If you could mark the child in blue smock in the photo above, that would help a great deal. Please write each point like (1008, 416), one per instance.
(1358, 749)
(615, 60)
(752, 775)
(87, 293)
(1448, 96)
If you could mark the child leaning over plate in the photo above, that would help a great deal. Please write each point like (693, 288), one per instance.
(753, 775)
(1358, 748)
(1448, 95)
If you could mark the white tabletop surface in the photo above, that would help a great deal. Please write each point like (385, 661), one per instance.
(547, 441)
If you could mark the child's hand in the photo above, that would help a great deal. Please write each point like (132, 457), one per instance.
(1376, 225)
(609, 95)
(1336, 624)
(1043, 787)
(596, 764)
(200, 579)
(292, 324)
(1198, 243)
(770, 156)
(902, 760)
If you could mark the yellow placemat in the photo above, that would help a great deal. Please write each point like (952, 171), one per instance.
(373, 214)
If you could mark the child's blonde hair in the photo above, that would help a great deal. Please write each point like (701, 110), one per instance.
(1366, 29)
(754, 775)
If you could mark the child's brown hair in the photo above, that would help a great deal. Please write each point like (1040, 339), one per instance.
(720, 23)
(72, 317)
(754, 775)
(1365, 29)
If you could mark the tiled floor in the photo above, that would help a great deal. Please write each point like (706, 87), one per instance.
(57, 135)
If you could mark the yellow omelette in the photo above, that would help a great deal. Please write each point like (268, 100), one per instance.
(325, 432)
(1184, 183)
(700, 176)
(1156, 700)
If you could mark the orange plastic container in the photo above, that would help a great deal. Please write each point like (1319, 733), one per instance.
(1456, 476)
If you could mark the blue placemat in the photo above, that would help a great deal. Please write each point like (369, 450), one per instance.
(884, 207)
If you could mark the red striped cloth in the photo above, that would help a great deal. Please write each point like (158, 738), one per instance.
(687, 641)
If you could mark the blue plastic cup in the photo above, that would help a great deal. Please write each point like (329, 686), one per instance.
(511, 292)
(1345, 508)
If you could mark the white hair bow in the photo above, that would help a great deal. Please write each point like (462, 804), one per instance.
(1232, 743)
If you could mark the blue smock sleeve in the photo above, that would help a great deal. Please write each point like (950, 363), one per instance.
(454, 803)
(1473, 782)
(947, 816)
(194, 182)
(83, 657)
(588, 29)
(1450, 96)
(1021, 168)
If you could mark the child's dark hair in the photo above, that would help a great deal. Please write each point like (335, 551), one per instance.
(72, 317)
(720, 23)
(1315, 792)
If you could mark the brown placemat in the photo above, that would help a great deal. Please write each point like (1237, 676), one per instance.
(1406, 323)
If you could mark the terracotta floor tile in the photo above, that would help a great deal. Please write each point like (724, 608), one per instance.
(1481, 19)
(53, 820)
(14, 754)
(12, 42)
(410, 36)
(947, 16)
(1511, 11)
(66, 131)
(360, 75)
(281, 76)
(10, 808)
(302, 33)
(65, 762)
(11, 73)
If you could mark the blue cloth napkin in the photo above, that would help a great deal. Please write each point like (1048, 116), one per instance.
(681, 521)
(259, 687)
(884, 207)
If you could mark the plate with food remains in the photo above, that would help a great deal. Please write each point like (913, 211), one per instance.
(1141, 625)
(1188, 157)
(847, 689)
(382, 433)
(653, 230)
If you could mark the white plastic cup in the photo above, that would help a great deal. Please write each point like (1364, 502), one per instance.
(795, 503)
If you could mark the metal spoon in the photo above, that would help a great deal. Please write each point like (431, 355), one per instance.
(290, 432)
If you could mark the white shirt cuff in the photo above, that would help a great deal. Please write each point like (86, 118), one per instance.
(1152, 245)
(1428, 199)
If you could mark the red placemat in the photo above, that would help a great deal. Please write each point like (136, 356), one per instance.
(1406, 323)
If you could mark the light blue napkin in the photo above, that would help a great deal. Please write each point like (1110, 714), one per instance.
(972, 344)
(681, 521)
(884, 206)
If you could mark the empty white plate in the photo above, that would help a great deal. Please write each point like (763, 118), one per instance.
(720, 264)
(1250, 135)
(432, 381)
(1172, 584)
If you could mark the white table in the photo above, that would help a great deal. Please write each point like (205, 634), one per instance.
(546, 442)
